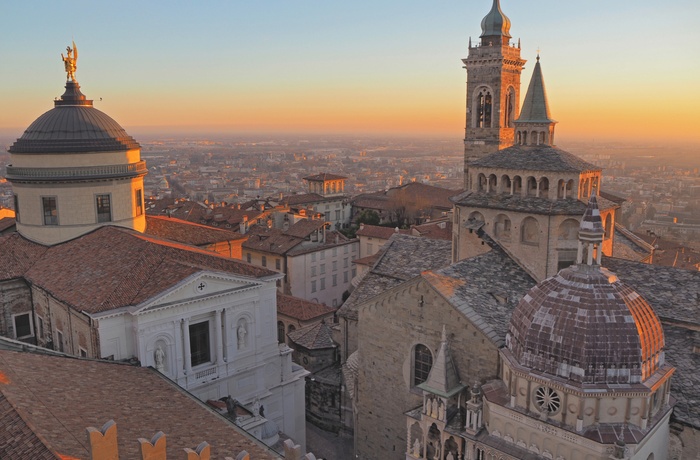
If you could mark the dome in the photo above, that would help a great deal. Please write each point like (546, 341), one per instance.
(495, 23)
(584, 324)
(73, 126)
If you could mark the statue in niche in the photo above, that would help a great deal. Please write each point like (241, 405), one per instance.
(242, 332)
(416, 448)
(159, 356)
(434, 412)
(437, 451)
(256, 408)
(441, 411)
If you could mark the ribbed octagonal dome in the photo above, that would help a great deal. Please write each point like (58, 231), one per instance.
(73, 126)
(584, 324)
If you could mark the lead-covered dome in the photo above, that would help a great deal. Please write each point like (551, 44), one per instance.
(495, 23)
(73, 126)
(584, 324)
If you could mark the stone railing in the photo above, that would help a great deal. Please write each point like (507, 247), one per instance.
(76, 173)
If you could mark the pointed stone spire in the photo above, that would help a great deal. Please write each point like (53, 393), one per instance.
(535, 119)
(443, 379)
(495, 27)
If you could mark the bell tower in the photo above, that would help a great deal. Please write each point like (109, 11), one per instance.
(493, 89)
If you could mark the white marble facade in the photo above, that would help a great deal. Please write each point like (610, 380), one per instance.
(215, 335)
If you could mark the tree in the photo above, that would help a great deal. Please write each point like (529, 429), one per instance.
(369, 217)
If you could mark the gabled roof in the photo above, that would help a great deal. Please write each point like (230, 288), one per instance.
(271, 240)
(187, 232)
(47, 402)
(306, 198)
(112, 267)
(304, 227)
(300, 309)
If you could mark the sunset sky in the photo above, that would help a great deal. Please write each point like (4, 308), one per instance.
(618, 69)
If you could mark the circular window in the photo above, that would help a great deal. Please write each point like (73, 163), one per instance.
(547, 399)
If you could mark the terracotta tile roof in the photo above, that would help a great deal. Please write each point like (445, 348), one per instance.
(372, 202)
(416, 192)
(314, 337)
(57, 398)
(369, 260)
(300, 309)
(436, 230)
(187, 232)
(306, 198)
(376, 231)
(304, 227)
(17, 255)
(325, 177)
(114, 267)
(271, 240)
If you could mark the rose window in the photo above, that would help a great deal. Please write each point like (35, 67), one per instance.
(547, 399)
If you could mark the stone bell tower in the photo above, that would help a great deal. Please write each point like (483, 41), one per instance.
(493, 89)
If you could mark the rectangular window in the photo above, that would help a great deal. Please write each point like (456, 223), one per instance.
(313, 257)
(278, 264)
(139, 202)
(323, 255)
(323, 283)
(345, 277)
(50, 210)
(323, 268)
(59, 341)
(83, 353)
(345, 249)
(104, 208)
(313, 270)
(337, 214)
(313, 286)
(354, 272)
(335, 302)
(199, 343)
(370, 249)
(335, 252)
(264, 261)
(335, 265)
(335, 280)
(248, 257)
(345, 263)
(23, 325)
(16, 201)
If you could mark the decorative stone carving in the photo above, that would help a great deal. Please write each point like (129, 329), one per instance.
(242, 334)
(434, 412)
(159, 357)
(416, 448)
(441, 411)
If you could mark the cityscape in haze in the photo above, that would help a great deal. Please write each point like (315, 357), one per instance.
(464, 230)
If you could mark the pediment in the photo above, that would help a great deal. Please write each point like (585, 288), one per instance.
(201, 285)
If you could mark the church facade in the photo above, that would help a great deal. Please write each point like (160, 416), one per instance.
(525, 346)
(81, 275)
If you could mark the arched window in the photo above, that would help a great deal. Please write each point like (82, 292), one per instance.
(517, 185)
(544, 188)
(422, 363)
(483, 108)
(280, 332)
(504, 186)
(492, 183)
(531, 186)
(481, 183)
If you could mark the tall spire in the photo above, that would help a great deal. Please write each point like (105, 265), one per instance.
(495, 27)
(590, 234)
(535, 115)
(443, 378)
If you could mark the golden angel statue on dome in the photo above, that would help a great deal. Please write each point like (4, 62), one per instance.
(70, 61)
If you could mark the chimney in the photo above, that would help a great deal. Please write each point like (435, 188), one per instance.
(103, 442)
(202, 452)
(362, 225)
(153, 449)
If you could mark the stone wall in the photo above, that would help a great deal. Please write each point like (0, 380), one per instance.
(390, 326)
(15, 299)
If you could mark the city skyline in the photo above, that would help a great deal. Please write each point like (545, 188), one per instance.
(620, 71)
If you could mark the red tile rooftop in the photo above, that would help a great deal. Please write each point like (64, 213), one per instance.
(300, 309)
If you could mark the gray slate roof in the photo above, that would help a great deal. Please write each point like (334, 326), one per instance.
(404, 258)
(485, 289)
(685, 384)
(535, 158)
(528, 204)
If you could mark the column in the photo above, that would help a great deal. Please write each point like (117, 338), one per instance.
(219, 339)
(188, 350)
